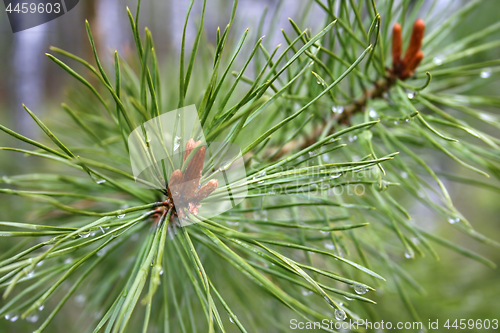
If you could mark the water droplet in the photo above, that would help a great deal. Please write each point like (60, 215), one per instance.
(68, 260)
(407, 120)
(415, 240)
(231, 318)
(335, 176)
(260, 215)
(396, 122)
(340, 315)
(412, 95)
(325, 157)
(41, 307)
(438, 60)
(120, 216)
(318, 81)
(454, 220)
(326, 232)
(271, 192)
(329, 245)
(84, 234)
(102, 230)
(360, 289)
(409, 254)
(352, 138)
(30, 274)
(161, 272)
(100, 181)
(306, 292)
(14, 318)
(313, 153)
(349, 299)
(32, 318)
(101, 252)
(404, 174)
(337, 109)
(40, 263)
(485, 73)
(7, 316)
(259, 175)
(177, 142)
(487, 117)
(372, 113)
(233, 223)
(80, 299)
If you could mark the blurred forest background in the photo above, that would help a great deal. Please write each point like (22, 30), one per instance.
(457, 287)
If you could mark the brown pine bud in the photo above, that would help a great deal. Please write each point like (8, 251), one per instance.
(415, 61)
(417, 35)
(190, 145)
(175, 184)
(206, 190)
(176, 178)
(192, 174)
(397, 44)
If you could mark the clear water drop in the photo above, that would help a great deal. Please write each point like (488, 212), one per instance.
(260, 215)
(372, 113)
(259, 175)
(485, 73)
(68, 260)
(412, 95)
(326, 232)
(7, 316)
(396, 122)
(306, 292)
(335, 176)
(80, 299)
(40, 263)
(101, 252)
(337, 109)
(177, 142)
(313, 153)
(454, 220)
(120, 216)
(30, 274)
(161, 272)
(32, 318)
(318, 81)
(404, 174)
(14, 318)
(41, 307)
(232, 223)
(100, 181)
(360, 289)
(84, 234)
(438, 60)
(348, 298)
(340, 315)
(329, 245)
(409, 255)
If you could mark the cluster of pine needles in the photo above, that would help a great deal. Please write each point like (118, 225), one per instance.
(334, 132)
